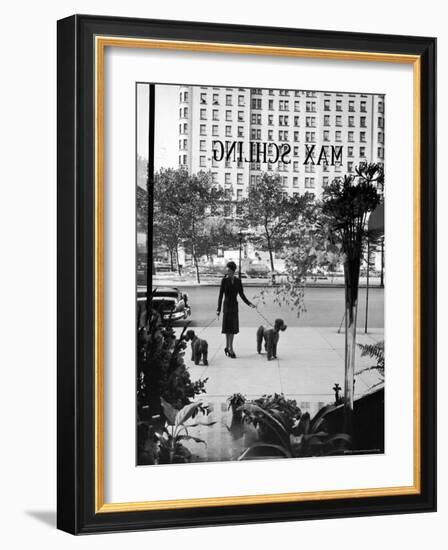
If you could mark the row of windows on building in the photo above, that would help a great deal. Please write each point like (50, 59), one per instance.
(286, 120)
(282, 135)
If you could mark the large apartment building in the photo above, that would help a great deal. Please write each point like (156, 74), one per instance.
(298, 118)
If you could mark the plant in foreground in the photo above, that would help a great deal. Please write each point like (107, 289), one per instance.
(308, 437)
(171, 450)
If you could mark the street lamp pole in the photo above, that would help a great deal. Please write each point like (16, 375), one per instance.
(240, 235)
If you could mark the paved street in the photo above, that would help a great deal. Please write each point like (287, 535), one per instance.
(325, 307)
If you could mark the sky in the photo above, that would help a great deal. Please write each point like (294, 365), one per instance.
(165, 131)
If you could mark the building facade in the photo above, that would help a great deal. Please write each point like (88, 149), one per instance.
(299, 119)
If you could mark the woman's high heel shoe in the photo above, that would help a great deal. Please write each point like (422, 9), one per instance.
(232, 354)
(226, 351)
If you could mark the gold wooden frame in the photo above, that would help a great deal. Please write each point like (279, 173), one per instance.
(101, 42)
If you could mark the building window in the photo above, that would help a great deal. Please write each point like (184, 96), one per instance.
(351, 106)
(255, 133)
(240, 131)
(256, 103)
(351, 121)
(240, 116)
(339, 105)
(380, 106)
(295, 182)
(310, 168)
(270, 120)
(310, 137)
(202, 161)
(350, 166)
(380, 122)
(297, 106)
(295, 166)
(380, 137)
(228, 164)
(203, 114)
(283, 105)
(214, 177)
(296, 121)
(256, 118)
(326, 135)
(324, 181)
(351, 136)
(296, 149)
(310, 106)
(215, 114)
(349, 151)
(239, 179)
(309, 183)
(380, 152)
(326, 105)
(338, 120)
(310, 122)
(215, 99)
(363, 106)
(227, 178)
(362, 152)
(229, 100)
(362, 122)
(202, 145)
(284, 92)
(338, 135)
(270, 135)
(228, 131)
(203, 99)
(214, 130)
(214, 163)
(362, 136)
(241, 100)
(296, 136)
(228, 116)
(271, 105)
(203, 130)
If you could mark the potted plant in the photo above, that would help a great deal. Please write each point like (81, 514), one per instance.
(235, 403)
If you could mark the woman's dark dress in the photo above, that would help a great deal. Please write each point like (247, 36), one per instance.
(229, 290)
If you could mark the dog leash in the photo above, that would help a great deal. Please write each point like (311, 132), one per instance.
(206, 327)
(263, 317)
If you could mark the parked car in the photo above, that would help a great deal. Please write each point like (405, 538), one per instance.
(171, 303)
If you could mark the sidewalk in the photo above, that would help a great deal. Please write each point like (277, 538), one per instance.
(310, 361)
(168, 279)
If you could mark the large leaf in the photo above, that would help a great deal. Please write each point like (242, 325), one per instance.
(190, 437)
(319, 417)
(280, 448)
(169, 411)
(187, 412)
(270, 421)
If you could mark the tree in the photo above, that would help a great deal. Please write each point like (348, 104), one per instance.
(189, 200)
(335, 231)
(346, 203)
(270, 207)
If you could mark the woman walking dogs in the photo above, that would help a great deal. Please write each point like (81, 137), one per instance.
(230, 287)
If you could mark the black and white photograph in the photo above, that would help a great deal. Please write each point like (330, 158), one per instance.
(260, 273)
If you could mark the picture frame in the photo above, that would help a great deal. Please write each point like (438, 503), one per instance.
(82, 42)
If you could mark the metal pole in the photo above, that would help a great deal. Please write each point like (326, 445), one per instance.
(382, 264)
(239, 263)
(150, 197)
(367, 283)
